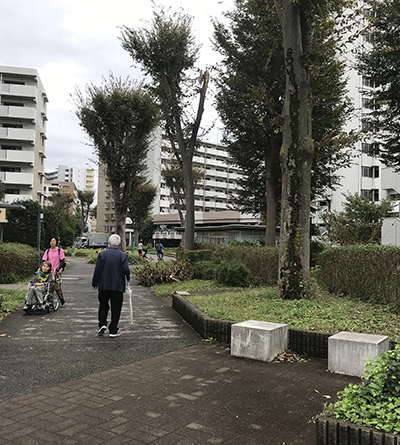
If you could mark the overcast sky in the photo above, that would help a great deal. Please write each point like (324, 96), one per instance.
(72, 43)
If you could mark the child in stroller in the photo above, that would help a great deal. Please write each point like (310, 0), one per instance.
(40, 295)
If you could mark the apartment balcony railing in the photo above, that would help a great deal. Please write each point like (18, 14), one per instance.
(18, 134)
(10, 198)
(18, 112)
(18, 156)
(13, 178)
(18, 90)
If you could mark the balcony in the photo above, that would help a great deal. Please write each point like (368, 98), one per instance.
(11, 198)
(18, 112)
(12, 178)
(18, 134)
(18, 156)
(28, 91)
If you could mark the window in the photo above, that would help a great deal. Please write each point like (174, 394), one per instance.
(12, 191)
(369, 37)
(370, 172)
(12, 126)
(368, 103)
(373, 194)
(368, 82)
(370, 149)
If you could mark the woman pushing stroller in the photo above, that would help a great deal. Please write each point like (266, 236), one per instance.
(38, 288)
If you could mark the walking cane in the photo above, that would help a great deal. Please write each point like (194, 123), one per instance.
(129, 293)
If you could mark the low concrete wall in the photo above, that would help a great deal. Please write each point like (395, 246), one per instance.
(311, 343)
(339, 432)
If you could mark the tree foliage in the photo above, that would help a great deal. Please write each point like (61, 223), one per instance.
(167, 52)
(57, 222)
(118, 117)
(85, 199)
(380, 62)
(140, 203)
(250, 95)
(360, 221)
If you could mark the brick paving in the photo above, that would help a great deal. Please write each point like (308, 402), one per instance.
(197, 395)
(158, 383)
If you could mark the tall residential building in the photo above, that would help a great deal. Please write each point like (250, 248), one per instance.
(82, 177)
(23, 116)
(213, 194)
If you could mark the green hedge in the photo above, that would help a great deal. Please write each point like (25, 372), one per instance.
(262, 262)
(369, 272)
(17, 261)
(194, 256)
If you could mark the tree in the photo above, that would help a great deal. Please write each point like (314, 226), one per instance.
(147, 230)
(2, 191)
(250, 95)
(167, 53)
(379, 62)
(299, 20)
(173, 177)
(360, 221)
(118, 117)
(140, 204)
(85, 200)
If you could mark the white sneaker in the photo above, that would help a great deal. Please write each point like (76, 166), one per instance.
(102, 330)
(117, 334)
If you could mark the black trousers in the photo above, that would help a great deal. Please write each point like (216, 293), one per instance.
(115, 298)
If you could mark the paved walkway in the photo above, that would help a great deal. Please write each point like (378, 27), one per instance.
(158, 383)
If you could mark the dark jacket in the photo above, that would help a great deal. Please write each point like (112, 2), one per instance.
(111, 270)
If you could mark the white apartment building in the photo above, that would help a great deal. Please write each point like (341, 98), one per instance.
(82, 177)
(23, 117)
(366, 175)
(213, 195)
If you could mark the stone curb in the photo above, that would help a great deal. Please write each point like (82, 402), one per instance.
(339, 432)
(311, 343)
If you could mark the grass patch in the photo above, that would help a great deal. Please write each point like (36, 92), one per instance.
(323, 312)
(167, 289)
(12, 299)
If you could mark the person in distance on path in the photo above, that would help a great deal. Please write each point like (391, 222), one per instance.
(109, 279)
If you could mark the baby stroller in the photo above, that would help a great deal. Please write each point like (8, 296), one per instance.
(50, 300)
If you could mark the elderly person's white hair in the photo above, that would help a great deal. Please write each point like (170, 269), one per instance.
(114, 240)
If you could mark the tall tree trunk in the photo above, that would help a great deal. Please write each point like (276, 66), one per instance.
(120, 216)
(297, 153)
(188, 239)
(272, 204)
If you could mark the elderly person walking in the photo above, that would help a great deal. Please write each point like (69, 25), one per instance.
(109, 279)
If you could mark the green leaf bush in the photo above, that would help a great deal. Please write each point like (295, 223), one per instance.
(163, 272)
(262, 262)
(374, 403)
(368, 272)
(233, 274)
(17, 261)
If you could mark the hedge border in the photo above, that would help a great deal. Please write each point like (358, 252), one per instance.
(310, 343)
(339, 432)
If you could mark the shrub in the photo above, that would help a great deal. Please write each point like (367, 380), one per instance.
(376, 401)
(163, 272)
(134, 258)
(204, 270)
(17, 261)
(194, 256)
(233, 274)
(368, 272)
(83, 253)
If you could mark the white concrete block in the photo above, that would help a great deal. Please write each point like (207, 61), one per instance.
(348, 351)
(258, 340)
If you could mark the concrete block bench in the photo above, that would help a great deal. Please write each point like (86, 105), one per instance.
(347, 351)
(258, 340)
